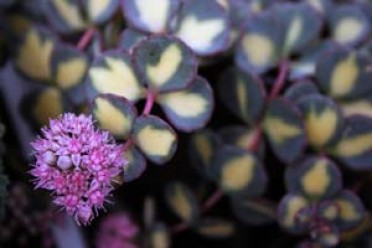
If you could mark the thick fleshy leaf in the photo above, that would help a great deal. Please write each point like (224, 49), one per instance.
(323, 120)
(344, 74)
(155, 138)
(165, 63)
(258, 49)
(215, 228)
(159, 236)
(100, 11)
(315, 177)
(300, 89)
(189, 109)
(243, 93)
(129, 38)
(352, 211)
(141, 15)
(329, 238)
(300, 26)
(253, 211)
(355, 147)
(284, 127)
(69, 67)
(34, 54)
(238, 171)
(136, 166)
(113, 73)
(321, 6)
(328, 210)
(358, 107)
(203, 26)
(305, 65)
(288, 210)
(115, 114)
(65, 15)
(240, 136)
(203, 145)
(182, 202)
(349, 25)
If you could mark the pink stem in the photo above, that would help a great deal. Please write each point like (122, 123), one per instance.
(150, 99)
(280, 80)
(86, 38)
(212, 200)
(256, 138)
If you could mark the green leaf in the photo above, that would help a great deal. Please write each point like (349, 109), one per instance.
(182, 201)
(284, 127)
(238, 172)
(165, 63)
(114, 114)
(155, 138)
(317, 178)
(243, 94)
(113, 73)
(189, 109)
(344, 74)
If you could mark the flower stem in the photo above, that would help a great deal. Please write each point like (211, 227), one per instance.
(150, 99)
(280, 80)
(86, 38)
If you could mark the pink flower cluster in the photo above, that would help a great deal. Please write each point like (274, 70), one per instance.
(117, 230)
(78, 163)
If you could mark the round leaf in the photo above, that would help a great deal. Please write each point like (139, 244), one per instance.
(323, 120)
(165, 63)
(344, 74)
(114, 114)
(285, 129)
(352, 211)
(288, 210)
(243, 93)
(182, 201)
(359, 107)
(155, 138)
(238, 172)
(129, 38)
(316, 178)
(240, 136)
(141, 15)
(113, 73)
(355, 147)
(189, 109)
(300, 89)
(203, 26)
(136, 165)
(100, 11)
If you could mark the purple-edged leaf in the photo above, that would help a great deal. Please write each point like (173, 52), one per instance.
(258, 49)
(355, 147)
(182, 201)
(44, 104)
(65, 15)
(113, 73)
(69, 66)
(238, 171)
(114, 114)
(329, 238)
(305, 65)
(359, 107)
(189, 109)
(165, 63)
(352, 211)
(328, 210)
(315, 177)
(100, 11)
(34, 54)
(238, 11)
(288, 211)
(155, 138)
(344, 74)
(243, 93)
(129, 38)
(349, 25)
(284, 128)
(253, 211)
(136, 166)
(323, 120)
(159, 236)
(300, 25)
(203, 26)
(321, 6)
(240, 136)
(300, 89)
(215, 228)
(203, 145)
(152, 16)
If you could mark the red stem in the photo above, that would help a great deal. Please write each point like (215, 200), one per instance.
(150, 99)
(280, 80)
(212, 200)
(86, 38)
